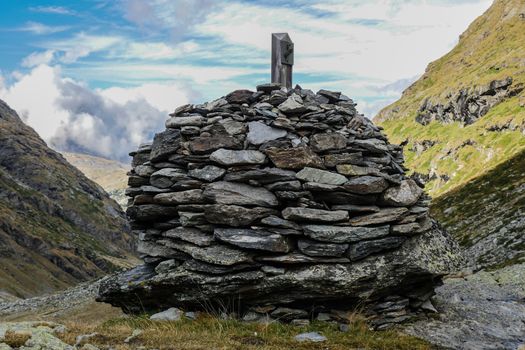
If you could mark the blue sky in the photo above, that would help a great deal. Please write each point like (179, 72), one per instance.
(99, 76)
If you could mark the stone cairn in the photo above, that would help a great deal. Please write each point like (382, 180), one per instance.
(279, 203)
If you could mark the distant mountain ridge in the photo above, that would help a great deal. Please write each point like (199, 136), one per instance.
(109, 174)
(56, 227)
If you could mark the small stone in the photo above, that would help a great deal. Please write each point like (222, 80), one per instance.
(262, 176)
(343, 327)
(233, 127)
(366, 185)
(172, 314)
(326, 142)
(314, 248)
(332, 96)
(216, 254)
(209, 173)
(166, 266)
(254, 239)
(272, 270)
(296, 258)
(321, 176)
(428, 306)
(363, 249)
(136, 333)
(355, 170)
(353, 208)
(292, 105)
(332, 160)
(229, 158)
(260, 133)
(284, 186)
(294, 158)
(311, 337)
(234, 215)
(323, 317)
(182, 197)
(286, 313)
(85, 338)
(239, 97)
(191, 315)
(300, 322)
(165, 144)
(276, 221)
(201, 145)
(406, 194)
(383, 216)
(223, 192)
(344, 234)
(308, 214)
(192, 219)
(191, 235)
(193, 120)
(269, 87)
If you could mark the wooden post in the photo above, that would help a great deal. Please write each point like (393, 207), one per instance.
(282, 59)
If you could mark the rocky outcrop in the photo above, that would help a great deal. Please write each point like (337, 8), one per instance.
(468, 105)
(56, 227)
(279, 198)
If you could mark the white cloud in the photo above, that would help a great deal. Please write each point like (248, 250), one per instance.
(38, 58)
(58, 10)
(41, 29)
(81, 45)
(72, 117)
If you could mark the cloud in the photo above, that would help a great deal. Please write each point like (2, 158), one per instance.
(105, 122)
(38, 58)
(41, 29)
(177, 16)
(81, 45)
(58, 10)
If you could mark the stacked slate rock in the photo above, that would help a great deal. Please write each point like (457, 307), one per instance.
(279, 202)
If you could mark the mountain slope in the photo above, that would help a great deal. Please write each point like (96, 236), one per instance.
(109, 174)
(466, 114)
(56, 226)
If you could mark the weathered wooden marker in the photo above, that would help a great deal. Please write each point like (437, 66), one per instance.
(282, 59)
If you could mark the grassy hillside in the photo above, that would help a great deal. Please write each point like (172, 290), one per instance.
(491, 49)
(488, 215)
(109, 174)
(56, 226)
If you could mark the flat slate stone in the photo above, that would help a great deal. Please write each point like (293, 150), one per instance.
(327, 142)
(223, 192)
(355, 170)
(182, 197)
(201, 144)
(191, 235)
(260, 133)
(344, 234)
(383, 216)
(165, 144)
(254, 239)
(293, 105)
(209, 173)
(200, 266)
(234, 215)
(262, 176)
(151, 212)
(332, 160)
(308, 214)
(297, 258)
(406, 194)
(315, 248)
(217, 254)
(366, 185)
(229, 157)
(321, 176)
(294, 158)
(353, 208)
(285, 186)
(276, 221)
(363, 249)
(192, 120)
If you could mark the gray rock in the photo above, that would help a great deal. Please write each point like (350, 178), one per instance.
(269, 87)
(209, 173)
(191, 235)
(294, 158)
(192, 120)
(166, 177)
(383, 216)
(405, 194)
(276, 221)
(292, 105)
(165, 144)
(229, 157)
(297, 258)
(234, 215)
(172, 314)
(216, 254)
(182, 197)
(332, 160)
(327, 142)
(308, 214)
(366, 185)
(206, 144)
(144, 170)
(361, 250)
(192, 219)
(239, 194)
(286, 313)
(355, 170)
(344, 234)
(212, 269)
(321, 176)
(314, 248)
(233, 127)
(353, 208)
(151, 212)
(284, 186)
(262, 176)
(166, 266)
(254, 239)
(373, 145)
(134, 335)
(155, 249)
(260, 133)
(311, 337)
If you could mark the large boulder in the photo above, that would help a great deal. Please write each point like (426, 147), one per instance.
(280, 200)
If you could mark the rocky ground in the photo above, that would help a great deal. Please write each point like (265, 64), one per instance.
(485, 310)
